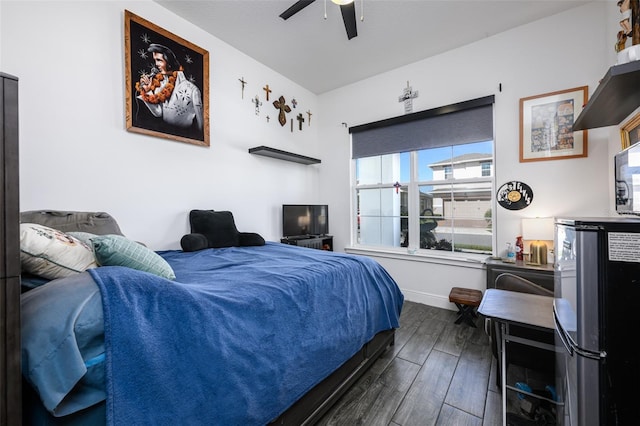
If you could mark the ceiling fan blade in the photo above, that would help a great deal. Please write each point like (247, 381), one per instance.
(297, 7)
(349, 18)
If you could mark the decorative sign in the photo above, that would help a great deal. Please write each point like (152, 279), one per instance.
(514, 195)
(407, 97)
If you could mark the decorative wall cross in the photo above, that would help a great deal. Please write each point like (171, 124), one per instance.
(281, 105)
(407, 97)
(267, 90)
(257, 102)
(300, 121)
(309, 116)
(241, 80)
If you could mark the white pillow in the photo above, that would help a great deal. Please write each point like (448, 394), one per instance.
(52, 254)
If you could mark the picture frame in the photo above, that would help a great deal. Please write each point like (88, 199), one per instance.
(167, 83)
(630, 132)
(546, 126)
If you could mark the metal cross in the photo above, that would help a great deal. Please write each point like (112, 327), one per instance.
(300, 121)
(407, 97)
(257, 102)
(281, 105)
(267, 90)
(241, 80)
(309, 115)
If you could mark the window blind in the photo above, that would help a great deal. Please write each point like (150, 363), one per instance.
(461, 123)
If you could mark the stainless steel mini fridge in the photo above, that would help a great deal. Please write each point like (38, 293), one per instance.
(597, 316)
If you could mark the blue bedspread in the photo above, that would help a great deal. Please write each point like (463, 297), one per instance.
(240, 335)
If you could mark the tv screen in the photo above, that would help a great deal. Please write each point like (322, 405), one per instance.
(300, 220)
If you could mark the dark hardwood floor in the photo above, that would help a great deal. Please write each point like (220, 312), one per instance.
(437, 373)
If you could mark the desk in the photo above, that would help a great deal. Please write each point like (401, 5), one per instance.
(539, 274)
(527, 310)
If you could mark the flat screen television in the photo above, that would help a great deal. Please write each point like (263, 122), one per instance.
(304, 220)
(627, 174)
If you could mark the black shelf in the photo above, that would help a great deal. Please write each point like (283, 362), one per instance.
(617, 96)
(283, 155)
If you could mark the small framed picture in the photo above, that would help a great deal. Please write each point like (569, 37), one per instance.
(167, 83)
(630, 132)
(546, 126)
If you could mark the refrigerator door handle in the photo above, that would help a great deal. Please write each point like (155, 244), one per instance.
(562, 334)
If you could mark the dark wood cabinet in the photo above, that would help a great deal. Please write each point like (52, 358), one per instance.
(10, 374)
(539, 274)
(324, 242)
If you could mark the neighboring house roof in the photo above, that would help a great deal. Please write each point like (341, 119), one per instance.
(464, 158)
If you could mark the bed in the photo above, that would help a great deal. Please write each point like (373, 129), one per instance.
(245, 335)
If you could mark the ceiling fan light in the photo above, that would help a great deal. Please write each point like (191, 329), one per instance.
(342, 2)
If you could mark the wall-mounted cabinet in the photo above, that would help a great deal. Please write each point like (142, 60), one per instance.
(283, 155)
(617, 96)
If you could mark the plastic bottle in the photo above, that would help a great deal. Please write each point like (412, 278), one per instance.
(511, 254)
(519, 248)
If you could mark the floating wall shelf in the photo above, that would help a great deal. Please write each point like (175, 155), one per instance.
(617, 96)
(283, 155)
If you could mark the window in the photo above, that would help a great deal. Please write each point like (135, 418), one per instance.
(434, 196)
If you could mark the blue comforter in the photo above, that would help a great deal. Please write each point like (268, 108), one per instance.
(240, 335)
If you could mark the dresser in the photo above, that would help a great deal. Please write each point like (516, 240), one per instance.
(539, 274)
(10, 374)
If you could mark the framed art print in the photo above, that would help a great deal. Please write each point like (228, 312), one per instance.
(167, 83)
(546, 126)
(630, 132)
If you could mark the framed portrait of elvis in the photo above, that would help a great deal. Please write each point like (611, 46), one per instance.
(167, 83)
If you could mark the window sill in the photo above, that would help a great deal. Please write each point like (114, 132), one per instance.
(468, 260)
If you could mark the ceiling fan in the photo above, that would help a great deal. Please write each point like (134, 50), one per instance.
(347, 7)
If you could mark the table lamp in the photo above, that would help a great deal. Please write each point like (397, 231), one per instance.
(537, 230)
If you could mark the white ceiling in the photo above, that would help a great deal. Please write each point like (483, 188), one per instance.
(315, 52)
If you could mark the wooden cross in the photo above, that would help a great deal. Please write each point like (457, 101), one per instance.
(241, 80)
(300, 121)
(281, 105)
(407, 97)
(267, 90)
(257, 102)
(309, 115)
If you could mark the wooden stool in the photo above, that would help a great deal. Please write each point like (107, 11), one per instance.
(467, 300)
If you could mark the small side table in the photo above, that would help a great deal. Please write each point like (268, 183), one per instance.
(466, 300)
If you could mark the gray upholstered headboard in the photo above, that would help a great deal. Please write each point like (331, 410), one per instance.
(99, 223)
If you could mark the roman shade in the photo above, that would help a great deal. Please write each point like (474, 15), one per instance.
(455, 124)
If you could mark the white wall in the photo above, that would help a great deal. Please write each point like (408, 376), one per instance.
(75, 153)
(560, 52)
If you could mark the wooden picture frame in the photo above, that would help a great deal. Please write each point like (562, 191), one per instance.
(167, 83)
(546, 126)
(630, 132)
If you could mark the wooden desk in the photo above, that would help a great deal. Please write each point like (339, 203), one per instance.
(526, 310)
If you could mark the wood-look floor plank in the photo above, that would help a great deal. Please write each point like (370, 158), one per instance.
(453, 416)
(425, 337)
(377, 404)
(493, 410)
(453, 339)
(422, 403)
(468, 388)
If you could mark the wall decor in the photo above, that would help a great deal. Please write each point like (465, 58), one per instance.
(267, 91)
(258, 103)
(630, 132)
(167, 83)
(309, 116)
(546, 126)
(243, 83)
(283, 108)
(514, 195)
(407, 97)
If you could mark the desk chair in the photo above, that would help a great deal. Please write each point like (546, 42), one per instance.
(518, 354)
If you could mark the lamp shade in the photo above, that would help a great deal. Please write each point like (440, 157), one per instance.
(342, 2)
(538, 228)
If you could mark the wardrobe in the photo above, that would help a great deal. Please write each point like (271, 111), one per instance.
(10, 374)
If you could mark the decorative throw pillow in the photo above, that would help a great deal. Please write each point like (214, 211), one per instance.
(219, 227)
(116, 250)
(52, 254)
